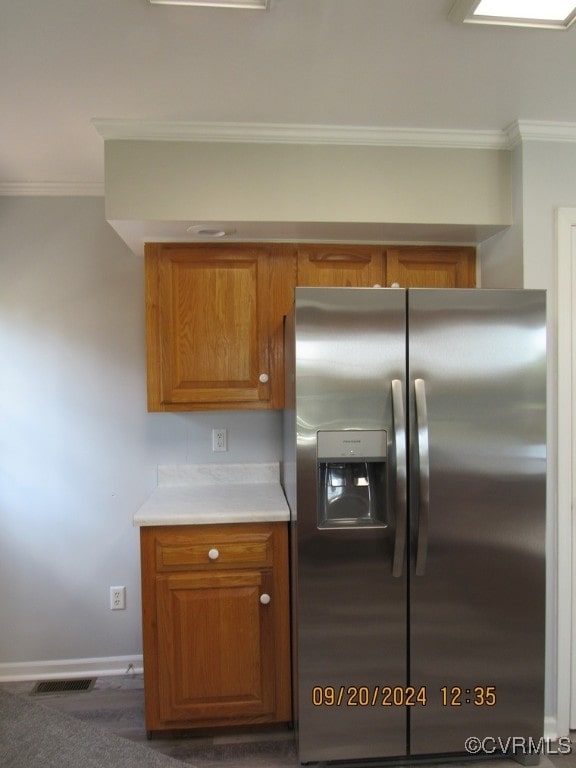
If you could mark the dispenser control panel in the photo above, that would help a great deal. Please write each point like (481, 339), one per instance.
(352, 444)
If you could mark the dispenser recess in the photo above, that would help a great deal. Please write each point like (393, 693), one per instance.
(352, 478)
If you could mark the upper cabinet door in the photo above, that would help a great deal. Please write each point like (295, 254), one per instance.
(431, 267)
(210, 326)
(340, 266)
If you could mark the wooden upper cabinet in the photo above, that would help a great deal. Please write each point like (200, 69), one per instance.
(214, 312)
(214, 322)
(431, 267)
(345, 266)
(361, 266)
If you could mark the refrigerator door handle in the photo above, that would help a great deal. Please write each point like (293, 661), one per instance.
(423, 475)
(399, 419)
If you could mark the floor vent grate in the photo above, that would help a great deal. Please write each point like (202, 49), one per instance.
(62, 686)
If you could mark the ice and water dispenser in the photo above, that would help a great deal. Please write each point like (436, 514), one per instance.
(352, 487)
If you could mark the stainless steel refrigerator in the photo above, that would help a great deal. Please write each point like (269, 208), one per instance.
(415, 470)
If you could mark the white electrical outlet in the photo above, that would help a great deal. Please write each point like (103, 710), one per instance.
(117, 598)
(219, 440)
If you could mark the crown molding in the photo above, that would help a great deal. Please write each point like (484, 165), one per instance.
(51, 189)
(540, 130)
(278, 133)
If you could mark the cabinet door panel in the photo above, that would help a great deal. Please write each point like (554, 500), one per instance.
(200, 678)
(431, 267)
(344, 266)
(217, 306)
(213, 324)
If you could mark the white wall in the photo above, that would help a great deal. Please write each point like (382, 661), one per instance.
(78, 451)
(543, 180)
(500, 258)
(550, 183)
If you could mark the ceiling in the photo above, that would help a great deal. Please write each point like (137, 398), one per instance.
(398, 64)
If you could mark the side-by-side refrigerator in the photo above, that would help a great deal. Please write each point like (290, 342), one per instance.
(415, 470)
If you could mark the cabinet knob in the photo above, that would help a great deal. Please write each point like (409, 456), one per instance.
(213, 554)
(264, 599)
(263, 378)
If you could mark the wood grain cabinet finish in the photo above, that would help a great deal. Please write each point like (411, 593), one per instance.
(214, 313)
(344, 266)
(216, 625)
(431, 267)
(214, 325)
(364, 266)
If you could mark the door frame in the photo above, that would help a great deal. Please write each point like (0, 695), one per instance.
(562, 527)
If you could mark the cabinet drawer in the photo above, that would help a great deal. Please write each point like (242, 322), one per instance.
(210, 547)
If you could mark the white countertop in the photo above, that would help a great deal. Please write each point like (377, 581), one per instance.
(194, 494)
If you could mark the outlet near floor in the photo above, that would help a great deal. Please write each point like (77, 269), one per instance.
(117, 598)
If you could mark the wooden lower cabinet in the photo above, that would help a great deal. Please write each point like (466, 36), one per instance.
(215, 625)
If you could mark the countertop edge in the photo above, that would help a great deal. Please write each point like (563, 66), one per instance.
(212, 519)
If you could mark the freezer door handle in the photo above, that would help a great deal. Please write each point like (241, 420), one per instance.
(401, 477)
(423, 475)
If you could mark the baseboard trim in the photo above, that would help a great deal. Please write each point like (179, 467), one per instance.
(65, 669)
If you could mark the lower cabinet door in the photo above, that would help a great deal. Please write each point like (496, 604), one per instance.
(215, 645)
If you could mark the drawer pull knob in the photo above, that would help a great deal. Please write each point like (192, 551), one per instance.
(213, 554)
(263, 378)
(264, 599)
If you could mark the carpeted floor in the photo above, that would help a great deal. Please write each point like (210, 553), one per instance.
(115, 705)
(33, 736)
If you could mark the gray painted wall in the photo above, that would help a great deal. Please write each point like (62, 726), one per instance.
(78, 450)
